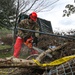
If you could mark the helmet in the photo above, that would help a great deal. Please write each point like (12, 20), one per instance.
(33, 16)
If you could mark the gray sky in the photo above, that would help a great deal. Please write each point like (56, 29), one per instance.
(60, 23)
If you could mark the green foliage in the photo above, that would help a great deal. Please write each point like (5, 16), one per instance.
(70, 9)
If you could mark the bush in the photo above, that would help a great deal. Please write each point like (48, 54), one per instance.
(7, 40)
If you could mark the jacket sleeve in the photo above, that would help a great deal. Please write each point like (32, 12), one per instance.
(20, 32)
(21, 24)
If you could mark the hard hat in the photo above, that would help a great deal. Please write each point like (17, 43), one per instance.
(33, 16)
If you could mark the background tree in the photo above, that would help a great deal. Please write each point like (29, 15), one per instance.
(69, 9)
(7, 12)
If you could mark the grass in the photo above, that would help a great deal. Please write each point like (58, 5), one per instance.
(3, 47)
(4, 32)
(3, 52)
(5, 55)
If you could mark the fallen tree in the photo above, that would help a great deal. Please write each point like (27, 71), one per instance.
(23, 63)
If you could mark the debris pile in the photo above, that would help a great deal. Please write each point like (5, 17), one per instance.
(46, 43)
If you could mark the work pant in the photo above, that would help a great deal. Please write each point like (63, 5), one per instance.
(18, 44)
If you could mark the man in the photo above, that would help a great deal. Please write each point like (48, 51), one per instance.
(29, 23)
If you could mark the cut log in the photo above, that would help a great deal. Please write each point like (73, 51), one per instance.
(16, 62)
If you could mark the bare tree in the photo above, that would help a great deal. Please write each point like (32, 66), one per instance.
(36, 5)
